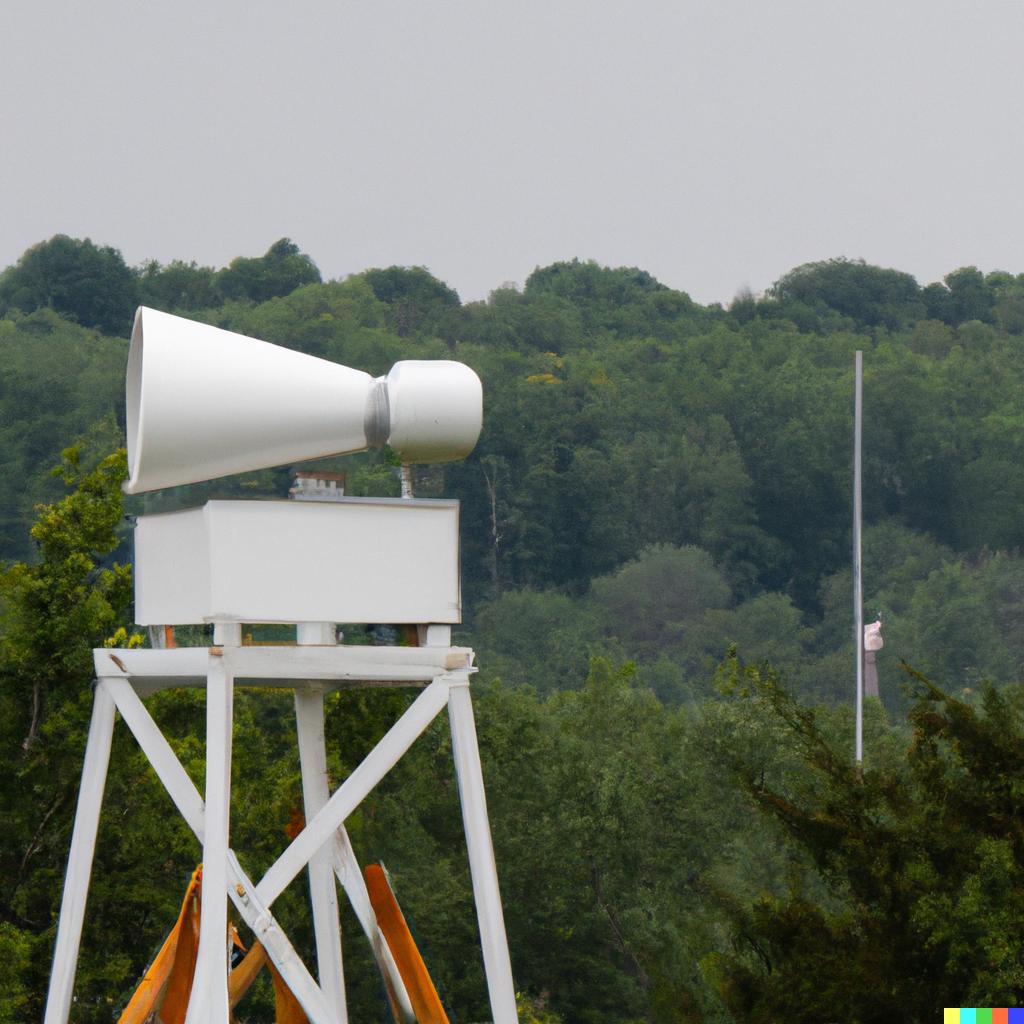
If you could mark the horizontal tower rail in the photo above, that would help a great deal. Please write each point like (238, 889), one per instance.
(153, 670)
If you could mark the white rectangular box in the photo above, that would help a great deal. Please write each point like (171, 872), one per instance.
(379, 560)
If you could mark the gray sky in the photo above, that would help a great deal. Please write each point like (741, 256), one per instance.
(715, 144)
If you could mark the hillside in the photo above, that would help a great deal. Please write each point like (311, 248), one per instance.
(624, 422)
(680, 834)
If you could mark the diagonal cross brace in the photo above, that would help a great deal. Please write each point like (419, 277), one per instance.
(252, 901)
(183, 792)
(346, 867)
(351, 793)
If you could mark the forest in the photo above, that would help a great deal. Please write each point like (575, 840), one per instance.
(656, 546)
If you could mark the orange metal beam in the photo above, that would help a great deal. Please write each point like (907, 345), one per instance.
(425, 1001)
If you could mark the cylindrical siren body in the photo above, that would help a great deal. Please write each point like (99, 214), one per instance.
(436, 410)
(203, 403)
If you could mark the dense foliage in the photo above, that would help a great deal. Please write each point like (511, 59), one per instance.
(92, 285)
(656, 480)
(921, 861)
(85, 283)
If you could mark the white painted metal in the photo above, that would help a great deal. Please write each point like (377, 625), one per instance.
(497, 964)
(434, 636)
(356, 663)
(186, 797)
(316, 634)
(436, 410)
(249, 561)
(125, 674)
(285, 666)
(171, 565)
(209, 1001)
(227, 634)
(351, 793)
(203, 402)
(351, 877)
(176, 666)
(259, 918)
(858, 586)
(83, 845)
(158, 751)
(309, 719)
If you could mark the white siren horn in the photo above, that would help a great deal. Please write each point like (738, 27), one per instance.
(204, 403)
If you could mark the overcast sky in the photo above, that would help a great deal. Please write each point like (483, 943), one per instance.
(716, 144)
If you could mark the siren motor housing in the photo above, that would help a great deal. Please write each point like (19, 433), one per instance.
(197, 565)
(203, 402)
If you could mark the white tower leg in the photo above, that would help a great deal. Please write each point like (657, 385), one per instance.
(483, 870)
(309, 717)
(83, 845)
(209, 1001)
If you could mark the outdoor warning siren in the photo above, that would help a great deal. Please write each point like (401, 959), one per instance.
(204, 403)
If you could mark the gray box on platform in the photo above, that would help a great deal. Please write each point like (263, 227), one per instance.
(387, 560)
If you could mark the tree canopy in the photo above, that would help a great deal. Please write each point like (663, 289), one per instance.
(279, 272)
(870, 296)
(93, 286)
(658, 483)
(87, 283)
(416, 298)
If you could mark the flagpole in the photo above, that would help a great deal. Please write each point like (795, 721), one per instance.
(858, 589)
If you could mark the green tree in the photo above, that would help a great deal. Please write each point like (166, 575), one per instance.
(965, 296)
(178, 287)
(91, 284)
(922, 861)
(52, 614)
(56, 611)
(15, 952)
(279, 272)
(57, 381)
(626, 300)
(416, 299)
(591, 282)
(541, 640)
(340, 320)
(650, 602)
(870, 296)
